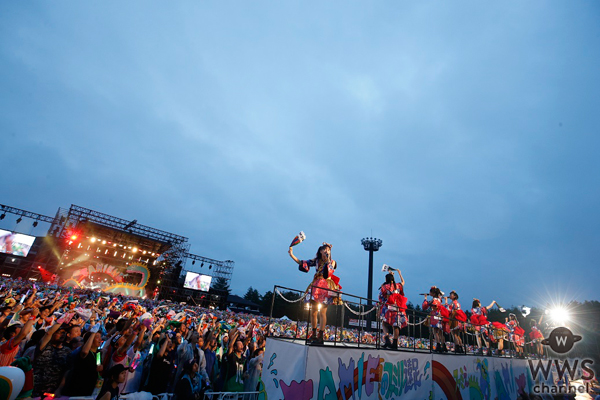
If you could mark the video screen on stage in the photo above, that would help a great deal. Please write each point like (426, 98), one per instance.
(197, 282)
(15, 243)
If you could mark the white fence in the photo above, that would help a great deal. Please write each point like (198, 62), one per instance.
(231, 395)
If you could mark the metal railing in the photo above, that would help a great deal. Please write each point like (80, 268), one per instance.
(231, 395)
(354, 321)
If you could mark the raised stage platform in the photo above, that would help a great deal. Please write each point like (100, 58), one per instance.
(294, 371)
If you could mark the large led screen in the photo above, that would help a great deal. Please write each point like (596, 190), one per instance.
(15, 243)
(197, 281)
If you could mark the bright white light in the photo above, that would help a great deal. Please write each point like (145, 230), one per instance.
(93, 239)
(319, 307)
(559, 315)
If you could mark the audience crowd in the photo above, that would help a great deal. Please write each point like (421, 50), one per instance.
(79, 342)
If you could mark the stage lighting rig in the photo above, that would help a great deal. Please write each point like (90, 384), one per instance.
(130, 225)
(2, 216)
(19, 220)
(559, 315)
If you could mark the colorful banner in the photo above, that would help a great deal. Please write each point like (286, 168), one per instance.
(298, 372)
(284, 367)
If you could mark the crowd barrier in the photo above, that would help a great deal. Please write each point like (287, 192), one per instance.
(128, 396)
(231, 395)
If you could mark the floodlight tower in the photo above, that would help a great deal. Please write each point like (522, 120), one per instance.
(371, 245)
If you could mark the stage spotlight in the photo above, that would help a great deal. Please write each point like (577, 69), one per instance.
(19, 220)
(35, 224)
(202, 265)
(134, 249)
(194, 262)
(2, 216)
(73, 237)
(210, 266)
(93, 240)
(559, 315)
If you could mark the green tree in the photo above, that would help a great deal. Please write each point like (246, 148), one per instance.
(265, 302)
(252, 295)
(221, 287)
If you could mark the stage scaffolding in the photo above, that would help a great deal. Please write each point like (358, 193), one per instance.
(173, 248)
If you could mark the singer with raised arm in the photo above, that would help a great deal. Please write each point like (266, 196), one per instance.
(393, 307)
(481, 325)
(320, 293)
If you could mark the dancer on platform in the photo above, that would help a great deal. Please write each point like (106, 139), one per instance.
(481, 325)
(457, 319)
(319, 290)
(436, 313)
(393, 307)
(515, 334)
(536, 337)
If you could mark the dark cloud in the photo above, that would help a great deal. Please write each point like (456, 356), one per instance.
(462, 135)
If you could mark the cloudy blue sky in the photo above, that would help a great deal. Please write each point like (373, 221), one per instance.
(465, 135)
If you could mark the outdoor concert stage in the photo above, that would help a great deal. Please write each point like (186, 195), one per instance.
(292, 370)
(88, 249)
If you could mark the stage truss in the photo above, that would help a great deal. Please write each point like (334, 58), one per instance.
(173, 249)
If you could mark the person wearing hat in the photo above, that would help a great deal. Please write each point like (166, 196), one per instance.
(24, 364)
(114, 377)
(13, 335)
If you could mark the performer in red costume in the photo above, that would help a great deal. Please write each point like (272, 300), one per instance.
(393, 308)
(457, 319)
(515, 334)
(436, 314)
(320, 289)
(536, 337)
(481, 325)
